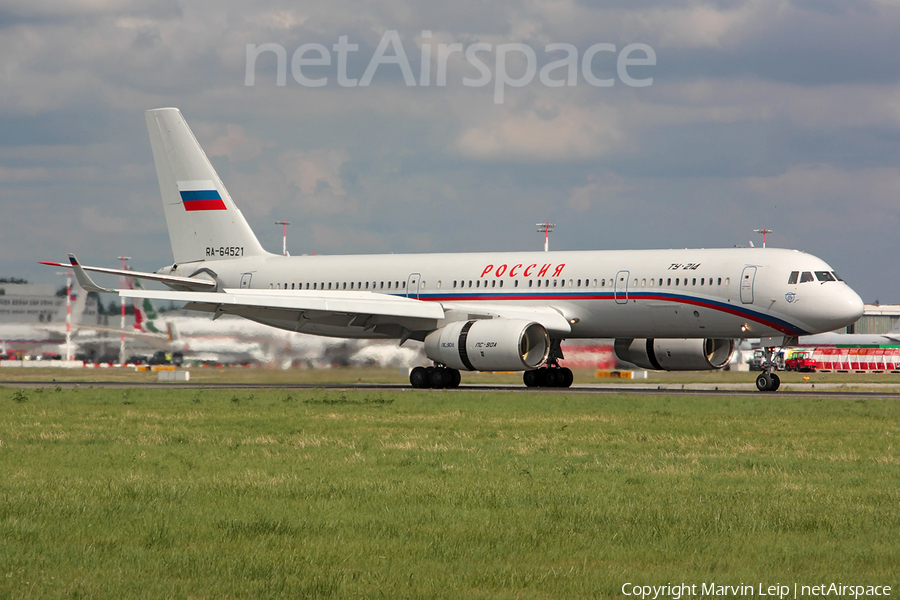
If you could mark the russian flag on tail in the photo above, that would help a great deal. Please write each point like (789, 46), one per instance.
(200, 195)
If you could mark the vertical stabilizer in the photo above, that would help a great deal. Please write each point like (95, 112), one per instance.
(203, 221)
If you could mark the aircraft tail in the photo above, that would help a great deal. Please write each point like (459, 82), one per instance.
(203, 221)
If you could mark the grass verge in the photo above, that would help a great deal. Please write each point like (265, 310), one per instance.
(411, 494)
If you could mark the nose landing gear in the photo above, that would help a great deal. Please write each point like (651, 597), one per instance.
(767, 382)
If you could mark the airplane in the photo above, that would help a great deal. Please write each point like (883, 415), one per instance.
(679, 309)
(891, 339)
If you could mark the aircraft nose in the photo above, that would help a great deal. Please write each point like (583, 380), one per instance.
(845, 308)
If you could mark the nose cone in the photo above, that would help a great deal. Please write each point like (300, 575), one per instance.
(845, 307)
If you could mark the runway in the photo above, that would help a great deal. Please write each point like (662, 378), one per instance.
(805, 390)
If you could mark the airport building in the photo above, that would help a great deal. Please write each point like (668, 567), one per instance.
(876, 319)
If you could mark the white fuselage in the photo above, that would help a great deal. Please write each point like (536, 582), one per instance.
(689, 293)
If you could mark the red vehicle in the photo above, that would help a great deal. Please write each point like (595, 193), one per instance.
(800, 360)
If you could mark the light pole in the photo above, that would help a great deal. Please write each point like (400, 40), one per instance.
(68, 275)
(122, 341)
(284, 251)
(545, 228)
(763, 231)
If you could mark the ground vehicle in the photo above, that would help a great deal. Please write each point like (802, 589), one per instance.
(161, 357)
(800, 360)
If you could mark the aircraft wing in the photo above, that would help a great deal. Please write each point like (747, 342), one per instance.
(551, 318)
(296, 304)
(84, 280)
(351, 308)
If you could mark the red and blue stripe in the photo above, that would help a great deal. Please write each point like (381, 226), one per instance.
(740, 311)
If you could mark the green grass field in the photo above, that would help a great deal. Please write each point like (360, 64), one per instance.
(432, 494)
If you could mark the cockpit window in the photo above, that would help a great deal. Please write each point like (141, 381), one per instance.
(793, 278)
(806, 276)
(824, 276)
(836, 276)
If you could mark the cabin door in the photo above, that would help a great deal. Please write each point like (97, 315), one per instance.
(621, 289)
(412, 285)
(747, 278)
(245, 280)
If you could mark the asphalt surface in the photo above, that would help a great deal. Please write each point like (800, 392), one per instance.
(826, 390)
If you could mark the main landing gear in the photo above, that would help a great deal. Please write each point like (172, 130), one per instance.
(437, 377)
(552, 377)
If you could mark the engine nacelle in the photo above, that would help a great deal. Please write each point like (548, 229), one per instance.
(676, 354)
(489, 345)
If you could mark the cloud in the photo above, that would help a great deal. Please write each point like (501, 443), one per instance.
(556, 134)
(755, 104)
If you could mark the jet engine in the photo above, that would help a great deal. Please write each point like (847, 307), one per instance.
(676, 354)
(489, 345)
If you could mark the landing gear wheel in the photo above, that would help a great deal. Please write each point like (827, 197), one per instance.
(768, 382)
(418, 378)
(455, 378)
(552, 378)
(763, 382)
(567, 377)
(530, 378)
(441, 377)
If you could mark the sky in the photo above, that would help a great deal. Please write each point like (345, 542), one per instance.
(690, 124)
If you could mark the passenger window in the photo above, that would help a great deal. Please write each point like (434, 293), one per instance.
(806, 276)
(824, 276)
(516, 284)
(694, 282)
(530, 283)
(792, 280)
(677, 279)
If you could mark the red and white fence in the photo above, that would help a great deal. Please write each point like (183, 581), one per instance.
(863, 360)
